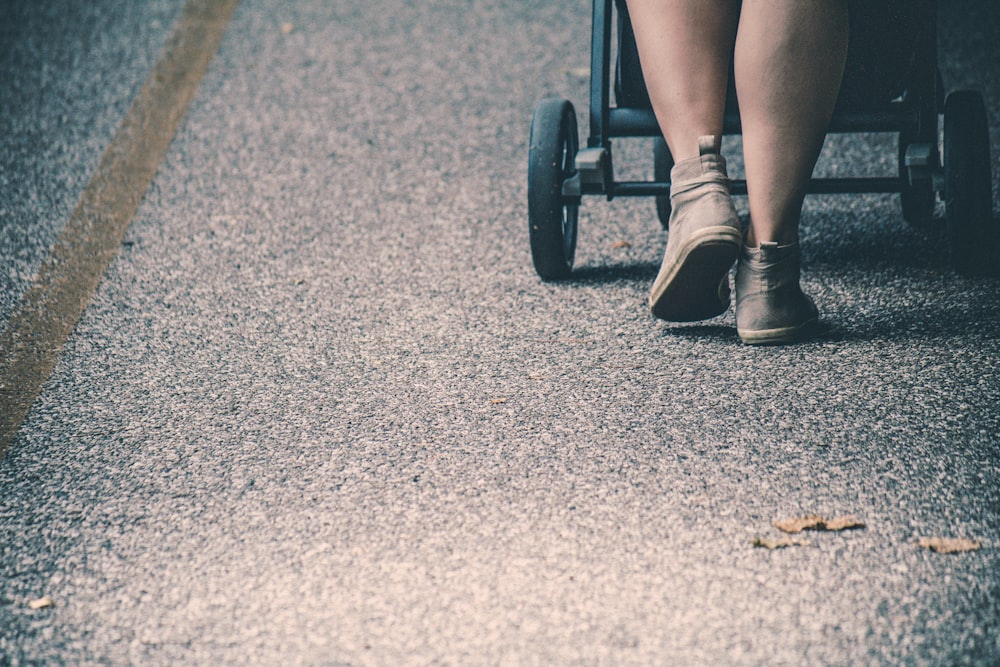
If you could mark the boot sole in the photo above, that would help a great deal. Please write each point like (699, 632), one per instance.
(780, 336)
(690, 290)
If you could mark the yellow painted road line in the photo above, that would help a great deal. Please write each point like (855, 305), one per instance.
(52, 306)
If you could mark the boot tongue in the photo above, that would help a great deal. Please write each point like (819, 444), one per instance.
(710, 156)
(707, 167)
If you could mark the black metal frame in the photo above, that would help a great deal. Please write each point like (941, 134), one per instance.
(915, 115)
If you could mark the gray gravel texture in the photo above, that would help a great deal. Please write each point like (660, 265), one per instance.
(68, 72)
(321, 411)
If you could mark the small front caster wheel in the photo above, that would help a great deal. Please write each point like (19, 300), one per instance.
(968, 184)
(552, 217)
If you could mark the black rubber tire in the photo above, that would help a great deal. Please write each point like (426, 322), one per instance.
(552, 221)
(968, 184)
(663, 162)
(917, 203)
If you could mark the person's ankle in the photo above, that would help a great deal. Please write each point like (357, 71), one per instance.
(706, 144)
(754, 240)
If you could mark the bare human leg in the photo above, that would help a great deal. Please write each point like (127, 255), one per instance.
(789, 61)
(685, 47)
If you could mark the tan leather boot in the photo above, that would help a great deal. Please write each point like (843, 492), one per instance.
(703, 242)
(770, 305)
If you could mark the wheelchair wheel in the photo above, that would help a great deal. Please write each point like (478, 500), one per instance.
(917, 200)
(968, 184)
(663, 162)
(552, 220)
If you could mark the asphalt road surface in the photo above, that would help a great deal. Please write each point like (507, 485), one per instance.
(320, 410)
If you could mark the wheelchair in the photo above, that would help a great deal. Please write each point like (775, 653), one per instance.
(891, 84)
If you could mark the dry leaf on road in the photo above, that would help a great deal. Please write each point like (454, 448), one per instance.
(497, 401)
(948, 545)
(798, 524)
(780, 543)
(843, 523)
(287, 28)
(816, 522)
(620, 244)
